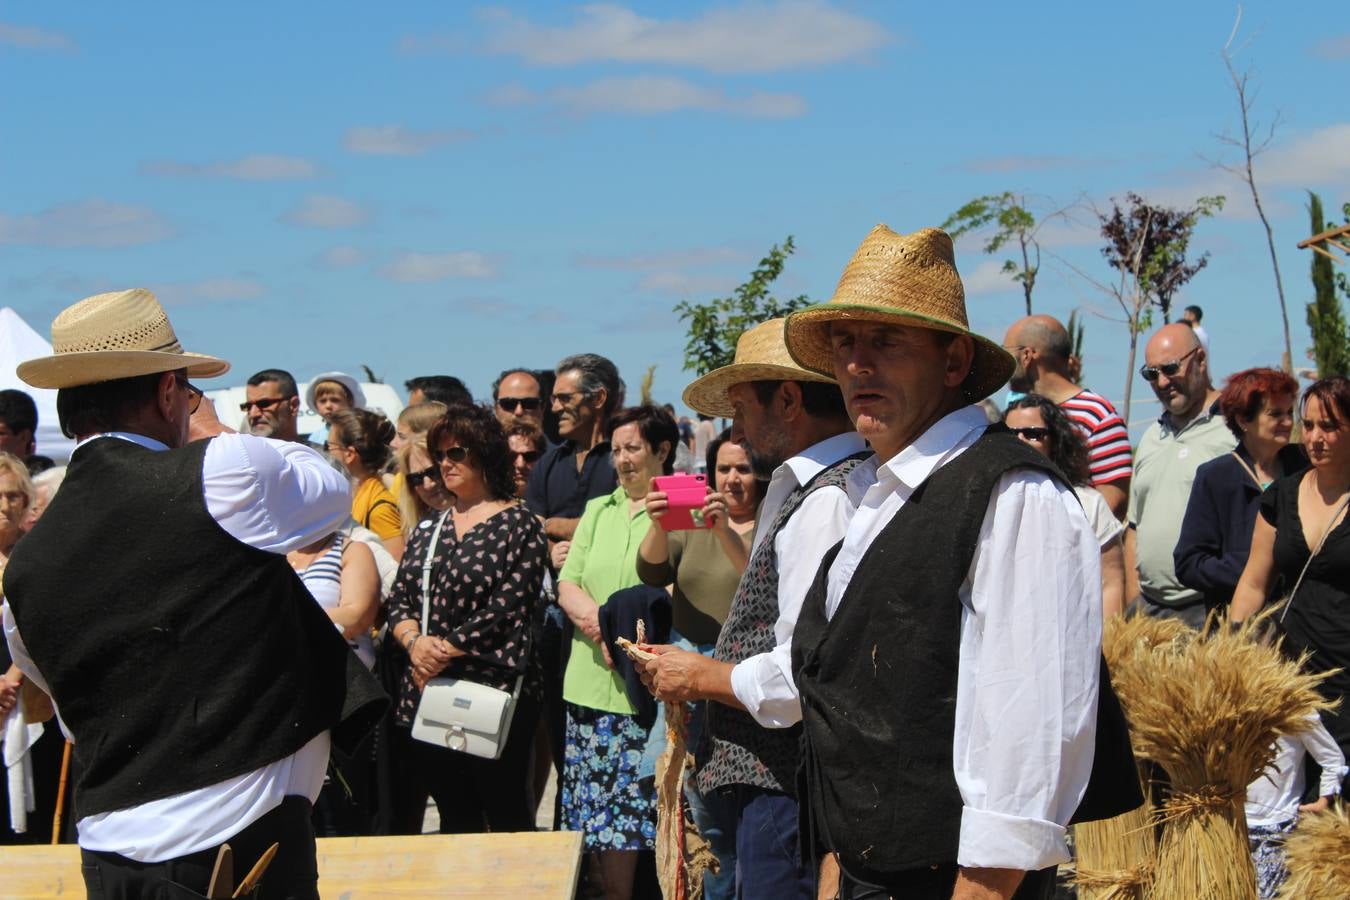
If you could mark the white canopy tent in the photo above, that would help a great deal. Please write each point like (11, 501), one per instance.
(18, 343)
(380, 397)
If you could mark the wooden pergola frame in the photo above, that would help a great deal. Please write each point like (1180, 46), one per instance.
(1329, 243)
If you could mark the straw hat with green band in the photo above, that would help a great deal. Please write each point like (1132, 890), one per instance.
(760, 356)
(899, 279)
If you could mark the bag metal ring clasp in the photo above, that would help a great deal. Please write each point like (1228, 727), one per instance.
(456, 739)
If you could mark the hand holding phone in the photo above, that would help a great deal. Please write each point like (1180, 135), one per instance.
(684, 496)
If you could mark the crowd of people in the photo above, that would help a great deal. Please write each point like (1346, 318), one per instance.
(882, 632)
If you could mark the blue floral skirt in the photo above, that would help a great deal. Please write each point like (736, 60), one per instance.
(602, 795)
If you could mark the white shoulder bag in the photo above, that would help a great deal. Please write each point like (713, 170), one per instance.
(461, 715)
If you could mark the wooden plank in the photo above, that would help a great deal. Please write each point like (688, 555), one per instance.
(1325, 235)
(530, 865)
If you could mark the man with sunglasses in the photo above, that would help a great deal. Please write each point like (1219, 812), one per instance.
(272, 405)
(198, 679)
(1190, 432)
(518, 396)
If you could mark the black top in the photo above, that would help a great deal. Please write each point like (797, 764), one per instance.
(556, 488)
(1216, 533)
(179, 656)
(1318, 618)
(484, 589)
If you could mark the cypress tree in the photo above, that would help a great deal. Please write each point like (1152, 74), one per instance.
(1326, 319)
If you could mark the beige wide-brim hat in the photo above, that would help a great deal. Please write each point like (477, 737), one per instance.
(760, 356)
(351, 384)
(110, 336)
(900, 279)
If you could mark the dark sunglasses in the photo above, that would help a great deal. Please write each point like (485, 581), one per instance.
(195, 394)
(454, 454)
(528, 455)
(1031, 434)
(511, 404)
(1151, 373)
(263, 405)
(416, 478)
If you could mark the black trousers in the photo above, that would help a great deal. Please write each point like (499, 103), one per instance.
(472, 794)
(937, 883)
(293, 874)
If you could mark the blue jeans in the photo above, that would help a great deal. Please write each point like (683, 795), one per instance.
(714, 815)
(768, 850)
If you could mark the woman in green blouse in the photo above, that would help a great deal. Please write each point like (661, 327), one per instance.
(602, 795)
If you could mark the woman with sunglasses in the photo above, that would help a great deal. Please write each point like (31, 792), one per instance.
(1038, 421)
(1301, 544)
(358, 440)
(1216, 532)
(412, 423)
(603, 796)
(487, 567)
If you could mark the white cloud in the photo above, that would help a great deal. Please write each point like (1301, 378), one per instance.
(684, 284)
(326, 211)
(395, 140)
(253, 167)
(1337, 47)
(654, 95)
(31, 38)
(87, 223)
(662, 260)
(340, 257)
(425, 267)
(988, 278)
(750, 37)
(1318, 157)
(209, 290)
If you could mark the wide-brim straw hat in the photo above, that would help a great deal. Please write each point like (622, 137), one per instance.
(351, 384)
(761, 355)
(110, 336)
(900, 279)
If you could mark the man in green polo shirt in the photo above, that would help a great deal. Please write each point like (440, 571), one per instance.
(1190, 432)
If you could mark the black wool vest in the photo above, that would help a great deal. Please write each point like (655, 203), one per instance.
(178, 656)
(878, 682)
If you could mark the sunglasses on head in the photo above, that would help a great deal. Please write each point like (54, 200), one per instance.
(528, 455)
(511, 404)
(416, 478)
(1151, 373)
(454, 454)
(263, 405)
(1031, 433)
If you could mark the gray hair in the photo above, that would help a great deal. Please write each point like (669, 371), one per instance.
(593, 373)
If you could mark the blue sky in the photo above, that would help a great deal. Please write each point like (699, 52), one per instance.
(437, 187)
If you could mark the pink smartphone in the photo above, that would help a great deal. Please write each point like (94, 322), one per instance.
(686, 494)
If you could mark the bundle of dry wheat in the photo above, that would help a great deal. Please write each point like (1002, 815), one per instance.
(1207, 708)
(1115, 858)
(1318, 857)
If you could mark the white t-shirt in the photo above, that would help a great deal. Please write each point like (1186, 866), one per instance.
(1104, 523)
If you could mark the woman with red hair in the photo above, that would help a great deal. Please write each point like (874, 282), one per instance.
(1216, 534)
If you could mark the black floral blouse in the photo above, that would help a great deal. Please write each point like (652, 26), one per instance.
(485, 588)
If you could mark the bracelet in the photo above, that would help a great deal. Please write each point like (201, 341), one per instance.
(408, 645)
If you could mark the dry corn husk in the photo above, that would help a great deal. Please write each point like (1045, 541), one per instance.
(1115, 858)
(682, 854)
(1317, 855)
(1207, 707)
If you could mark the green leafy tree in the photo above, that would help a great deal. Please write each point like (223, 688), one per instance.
(715, 326)
(1326, 317)
(1012, 222)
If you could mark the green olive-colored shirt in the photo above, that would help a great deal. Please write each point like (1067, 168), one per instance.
(602, 560)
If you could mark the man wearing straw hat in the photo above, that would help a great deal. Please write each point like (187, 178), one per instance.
(948, 653)
(798, 435)
(197, 678)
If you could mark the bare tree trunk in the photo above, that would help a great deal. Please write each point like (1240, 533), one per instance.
(1028, 276)
(1129, 376)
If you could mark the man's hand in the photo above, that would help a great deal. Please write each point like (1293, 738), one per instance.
(986, 884)
(675, 675)
(557, 528)
(205, 423)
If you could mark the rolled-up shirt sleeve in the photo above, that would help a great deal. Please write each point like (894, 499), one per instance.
(1026, 701)
(764, 683)
(273, 495)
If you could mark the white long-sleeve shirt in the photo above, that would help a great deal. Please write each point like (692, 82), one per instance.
(276, 496)
(1273, 799)
(1026, 693)
(764, 683)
